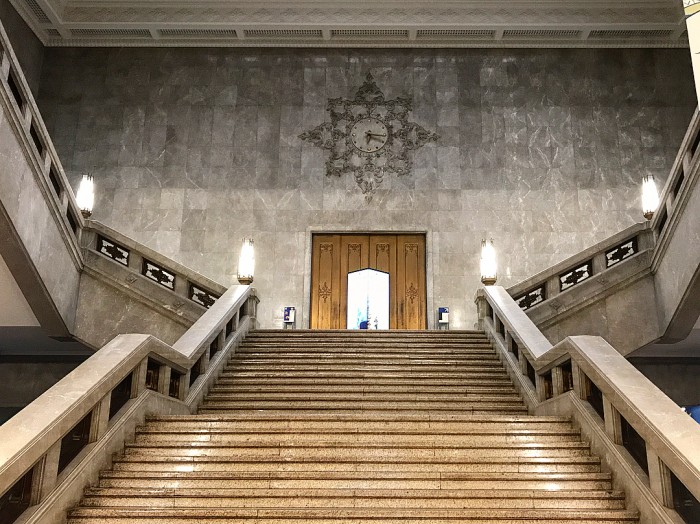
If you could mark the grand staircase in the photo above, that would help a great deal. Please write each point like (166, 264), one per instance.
(355, 427)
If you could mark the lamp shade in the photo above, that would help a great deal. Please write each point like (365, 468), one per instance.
(650, 197)
(86, 195)
(246, 262)
(488, 263)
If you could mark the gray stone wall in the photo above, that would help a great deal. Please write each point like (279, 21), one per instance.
(27, 47)
(192, 149)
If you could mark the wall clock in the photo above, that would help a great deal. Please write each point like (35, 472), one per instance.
(369, 136)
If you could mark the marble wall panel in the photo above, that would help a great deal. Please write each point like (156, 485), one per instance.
(193, 149)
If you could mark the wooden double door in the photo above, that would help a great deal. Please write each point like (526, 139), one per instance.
(334, 256)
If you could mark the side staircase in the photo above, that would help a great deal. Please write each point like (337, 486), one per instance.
(331, 427)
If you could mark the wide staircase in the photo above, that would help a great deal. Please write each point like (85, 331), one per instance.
(314, 426)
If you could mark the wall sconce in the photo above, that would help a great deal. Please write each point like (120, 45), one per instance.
(650, 197)
(488, 263)
(246, 262)
(86, 196)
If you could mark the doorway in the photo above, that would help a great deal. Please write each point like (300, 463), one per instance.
(333, 256)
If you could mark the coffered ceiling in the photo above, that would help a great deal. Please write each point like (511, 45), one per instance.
(357, 23)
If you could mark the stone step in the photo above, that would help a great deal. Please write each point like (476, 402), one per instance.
(408, 344)
(398, 424)
(368, 374)
(364, 478)
(217, 395)
(238, 438)
(361, 382)
(363, 367)
(502, 406)
(374, 360)
(351, 515)
(312, 389)
(387, 349)
(384, 498)
(349, 333)
(301, 459)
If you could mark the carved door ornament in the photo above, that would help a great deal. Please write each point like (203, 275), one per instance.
(369, 136)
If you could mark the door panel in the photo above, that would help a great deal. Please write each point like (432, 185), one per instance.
(334, 256)
(410, 286)
(354, 253)
(382, 249)
(325, 282)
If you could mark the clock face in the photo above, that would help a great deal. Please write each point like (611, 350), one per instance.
(369, 135)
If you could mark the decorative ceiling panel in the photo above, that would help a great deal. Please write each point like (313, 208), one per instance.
(336, 23)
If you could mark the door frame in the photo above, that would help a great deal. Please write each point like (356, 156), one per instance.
(310, 231)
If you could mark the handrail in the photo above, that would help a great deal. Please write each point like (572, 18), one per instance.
(34, 439)
(48, 171)
(598, 374)
(623, 246)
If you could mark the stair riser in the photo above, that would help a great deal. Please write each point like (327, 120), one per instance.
(330, 483)
(352, 439)
(356, 502)
(417, 427)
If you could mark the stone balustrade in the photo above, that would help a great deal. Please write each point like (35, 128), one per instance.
(653, 447)
(48, 169)
(649, 268)
(61, 441)
(67, 260)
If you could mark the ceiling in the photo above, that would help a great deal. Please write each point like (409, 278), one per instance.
(357, 23)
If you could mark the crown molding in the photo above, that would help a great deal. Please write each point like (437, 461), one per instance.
(363, 23)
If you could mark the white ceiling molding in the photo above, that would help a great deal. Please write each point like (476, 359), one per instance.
(361, 23)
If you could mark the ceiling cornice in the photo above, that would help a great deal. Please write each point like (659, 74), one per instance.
(361, 23)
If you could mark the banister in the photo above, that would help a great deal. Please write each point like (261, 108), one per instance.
(671, 437)
(32, 438)
(48, 169)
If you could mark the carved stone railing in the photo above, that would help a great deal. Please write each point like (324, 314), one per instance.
(128, 287)
(56, 260)
(40, 223)
(143, 263)
(57, 444)
(31, 127)
(643, 436)
(616, 263)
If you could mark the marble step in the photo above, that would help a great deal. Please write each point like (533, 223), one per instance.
(217, 395)
(388, 498)
(366, 367)
(426, 439)
(367, 374)
(502, 405)
(313, 389)
(378, 415)
(354, 358)
(339, 347)
(360, 382)
(351, 515)
(397, 423)
(259, 462)
(363, 478)
(349, 333)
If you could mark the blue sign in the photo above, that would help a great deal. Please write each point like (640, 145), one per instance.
(443, 315)
(289, 315)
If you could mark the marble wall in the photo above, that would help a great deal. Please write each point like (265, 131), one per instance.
(192, 149)
(27, 47)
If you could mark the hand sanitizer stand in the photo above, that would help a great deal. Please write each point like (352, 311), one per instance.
(368, 299)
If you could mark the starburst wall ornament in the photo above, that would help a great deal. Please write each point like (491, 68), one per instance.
(369, 136)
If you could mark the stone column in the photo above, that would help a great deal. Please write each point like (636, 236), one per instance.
(692, 20)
